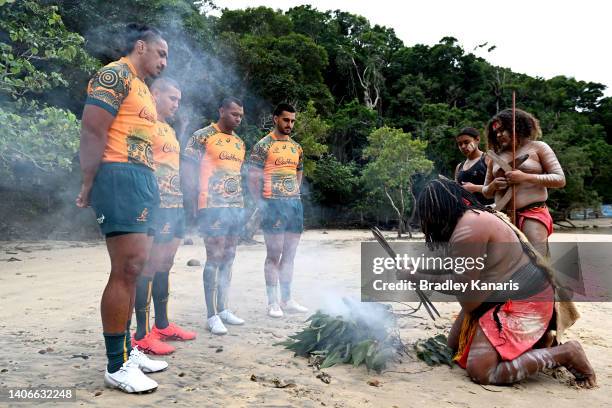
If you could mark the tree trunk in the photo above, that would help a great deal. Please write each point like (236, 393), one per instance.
(367, 80)
(399, 214)
(411, 218)
(402, 222)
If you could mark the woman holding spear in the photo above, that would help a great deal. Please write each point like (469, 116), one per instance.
(521, 190)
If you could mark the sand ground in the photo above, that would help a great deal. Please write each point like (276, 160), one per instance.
(51, 335)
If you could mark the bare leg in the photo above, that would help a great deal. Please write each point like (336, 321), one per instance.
(537, 235)
(453, 336)
(225, 272)
(485, 366)
(128, 255)
(214, 257)
(290, 244)
(274, 248)
(167, 252)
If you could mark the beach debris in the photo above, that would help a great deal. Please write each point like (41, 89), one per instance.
(13, 259)
(434, 351)
(374, 382)
(194, 262)
(274, 382)
(81, 355)
(366, 334)
(323, 376)
(188, 241)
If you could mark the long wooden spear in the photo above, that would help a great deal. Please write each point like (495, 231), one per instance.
(514, 154)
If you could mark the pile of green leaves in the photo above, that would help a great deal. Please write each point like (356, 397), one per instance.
(368, 335)
(434, 351)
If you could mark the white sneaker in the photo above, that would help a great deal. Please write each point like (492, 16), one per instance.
(145, 363)
(228, 317)
(274, 310)
(291, 306)
(130, 379)
(215, 325)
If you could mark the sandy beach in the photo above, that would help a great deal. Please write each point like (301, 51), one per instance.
(51, 335)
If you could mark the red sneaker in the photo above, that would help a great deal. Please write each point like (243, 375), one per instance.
(151, 344)
(173, 332)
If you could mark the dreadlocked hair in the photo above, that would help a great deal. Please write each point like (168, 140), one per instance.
(443, 202)
(440, 206)
(526, 125)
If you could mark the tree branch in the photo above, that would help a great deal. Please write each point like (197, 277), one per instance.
(27, 156)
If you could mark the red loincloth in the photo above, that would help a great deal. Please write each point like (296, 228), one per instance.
(537, 213)
(523, 323)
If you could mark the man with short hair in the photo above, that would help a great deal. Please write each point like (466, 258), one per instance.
(216, 154)
(118, 127)
(169, 223)
(275, 175)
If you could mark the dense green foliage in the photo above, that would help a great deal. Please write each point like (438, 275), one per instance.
(348, 78)
(395, 159)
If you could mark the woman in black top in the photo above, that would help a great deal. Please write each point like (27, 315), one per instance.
(471, 172)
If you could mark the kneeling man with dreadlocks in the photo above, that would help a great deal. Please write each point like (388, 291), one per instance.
(500, 337)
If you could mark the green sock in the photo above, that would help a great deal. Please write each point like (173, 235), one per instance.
(272, 292)
(210, 287)
(160, 298)
(128, 338)
(224, 277)
(142, 306)
(285, 290)
(128, 343)
(116, 351)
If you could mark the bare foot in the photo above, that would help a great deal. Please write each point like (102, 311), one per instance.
(579, 366)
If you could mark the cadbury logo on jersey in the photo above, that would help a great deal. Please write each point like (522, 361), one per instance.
(169, 148)
(145, 114)
(228, 156)
(284, 162)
